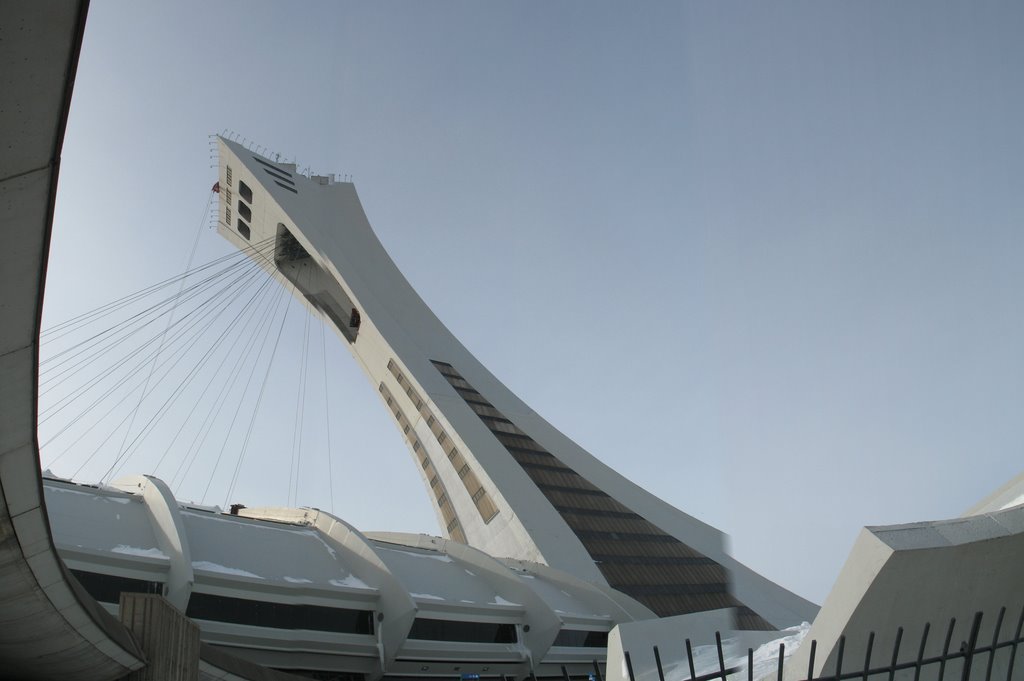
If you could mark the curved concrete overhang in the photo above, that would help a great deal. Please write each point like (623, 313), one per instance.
(50, 627)
(916, 574)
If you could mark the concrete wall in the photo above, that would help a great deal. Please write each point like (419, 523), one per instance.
(670, 635)
(910, 575)
(49, 628)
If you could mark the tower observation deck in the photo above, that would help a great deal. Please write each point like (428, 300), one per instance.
(503, 479)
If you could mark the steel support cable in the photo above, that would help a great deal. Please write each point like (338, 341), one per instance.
(210, 312)
(111, 372)
(261, 314)
(204, 308)
(182, 352)
(109, 391)
(327, 413)
(48, 334)
(255, 411)
(242, 331)
(172, 360)
(245, 390)
(300, 411)
(139, 320)
(207, 357)
(115, 341)
(85, 318)
(192, 454)
(200, 306)
(163, 336)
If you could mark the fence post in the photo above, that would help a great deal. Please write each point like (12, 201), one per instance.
(968, 650)
(629, 666)
(995, 640)
(1013, 648)
(810, 661)
(945, 648)
(721, 657)
(782, 660)
(689, 657)
(867, 654)
(920, 651)
(657, 663)
(839, 657)
(895, 653)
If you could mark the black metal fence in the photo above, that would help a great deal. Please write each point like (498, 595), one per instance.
(971, 653)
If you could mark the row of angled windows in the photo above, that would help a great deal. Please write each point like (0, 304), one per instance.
(679, 580)
(451, 521)
(481, 499)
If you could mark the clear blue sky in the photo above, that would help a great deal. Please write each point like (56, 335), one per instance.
(765, 259)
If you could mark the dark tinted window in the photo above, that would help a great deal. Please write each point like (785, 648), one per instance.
(244, 191)
(244, 211)
(576, 638)
(108, 588)
(262, 162)
(279, 615)
(243, 228)
(464, 632)
(278, 177)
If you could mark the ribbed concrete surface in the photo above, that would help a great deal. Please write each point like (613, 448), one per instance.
(169, 639)
(49, 629)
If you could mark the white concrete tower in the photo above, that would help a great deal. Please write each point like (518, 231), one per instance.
(504, 480)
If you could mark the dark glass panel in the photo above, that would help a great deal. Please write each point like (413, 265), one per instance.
(424, 629)
(279, 615)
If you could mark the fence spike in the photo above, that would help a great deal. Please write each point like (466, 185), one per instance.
(839, 657)
(867, 654)
(945, 647)
(810, 660)
(895, 653)
(1013, 648)
(995, 640)
(721, 657)
(629, 667)
(657, 663)
(920, 651)
(689, 658)
(782, 660)
(750, 664)
(971, 644)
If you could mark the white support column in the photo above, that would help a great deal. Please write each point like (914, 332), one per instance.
(169, 530)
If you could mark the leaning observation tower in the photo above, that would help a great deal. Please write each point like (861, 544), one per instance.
(503, 479)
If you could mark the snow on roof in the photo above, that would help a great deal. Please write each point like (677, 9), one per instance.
(88, 518)
(435, 576)
(255, 549)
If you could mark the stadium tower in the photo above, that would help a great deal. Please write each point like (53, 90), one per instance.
(502, 478)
